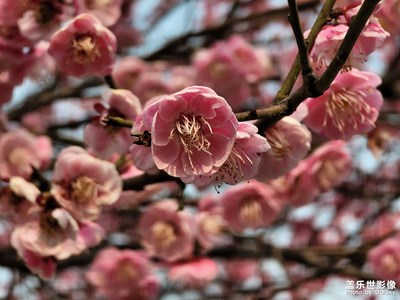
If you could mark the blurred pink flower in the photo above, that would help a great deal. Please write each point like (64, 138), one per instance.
(105, 140)
(384, 259)
(166, 233)
(196, 273)
(44, 267)
(55, 233)
(234, 59)
(239, 270)
(290, 141)
(20, 151)
(18, 200)
(127, 71)
(85, 47)
(324, 169)
(249, 205)
(108, 12)
(122, 275)
(81, 183)
(389, 16)
(192, 131)
(350, 106)
(211, 228)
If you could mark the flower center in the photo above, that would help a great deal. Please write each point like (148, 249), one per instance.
(212, 225)
(390, 264)
(97, 4)
(84, 49)
(190, 132)
(217, 70)
(163, 233)
(19, 157)
(84, 189)
(251, 213)
(347, 107)
(126, 271)
(280, 147)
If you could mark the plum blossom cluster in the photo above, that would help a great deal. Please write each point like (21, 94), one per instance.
(56, 222)
(330, 37)
(196, 136)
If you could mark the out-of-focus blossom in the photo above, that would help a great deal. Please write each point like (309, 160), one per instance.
(20, 152)
(234, 59)
(127, 71)
(105, 140)
(324, 169)
(84, 47)
(210, 229)
(192, 132)
(122, 275)
(82, 183)
(385, 259)
(196, 273)
(18, 200)
(165, 232)
(349, 106)
(290, 141)
(249, 205)
(55, 234)
(389, 16)
(108, 12)
(239, 270)
(44, 267)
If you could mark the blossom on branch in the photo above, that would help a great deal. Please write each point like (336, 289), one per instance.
(84, 47)
(20, 152)
(249, 205)
(81, 183)
(103, 139)
(165, 232)
(122, 275)
(192, 131)
(350, 106)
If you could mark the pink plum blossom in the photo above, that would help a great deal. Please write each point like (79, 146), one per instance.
(389, 16)
(44, 267)
(234, 59)
(210, 229)
(384, 259)
(81, 183)
(84, 47)
(18, 200)
(105, 140)
(331, 36)
(166, 233)
(122, 275)
(108, 12)
(55, 234)
(290, 141)
(239, 270)
(249, 205)
(127, 72)
(350, 106)
(196, 273)
(20, 151)
(324, 169)
(192, 132)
